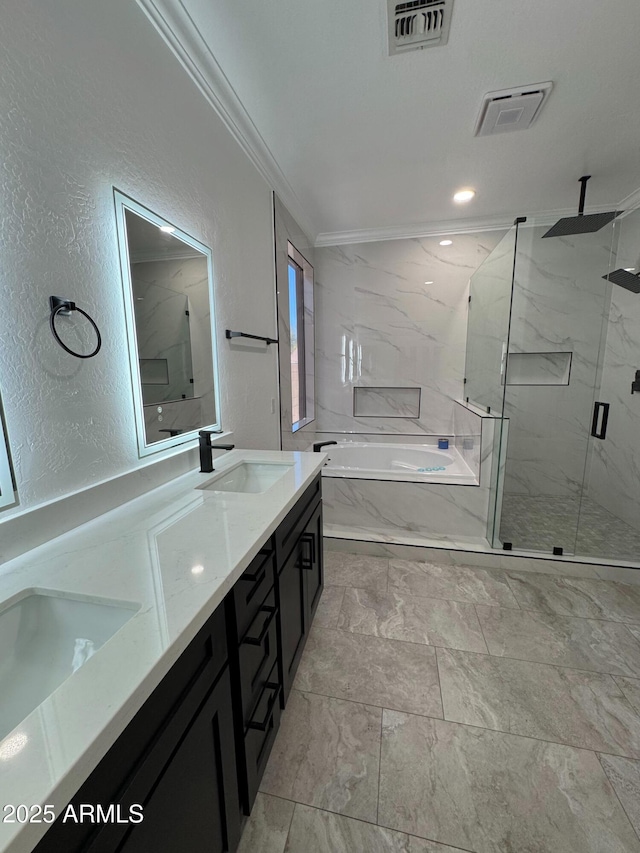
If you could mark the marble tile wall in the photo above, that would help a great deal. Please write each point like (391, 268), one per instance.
(614, 479)
(394, 314)
(437, 510)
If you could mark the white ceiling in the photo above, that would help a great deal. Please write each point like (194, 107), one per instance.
(368, 141)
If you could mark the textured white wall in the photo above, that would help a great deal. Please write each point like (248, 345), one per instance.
(91, 98)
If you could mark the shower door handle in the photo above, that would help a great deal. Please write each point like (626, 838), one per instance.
(596, 417)
(503, 364)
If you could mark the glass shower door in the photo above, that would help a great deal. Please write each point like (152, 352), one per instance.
(609, 517)
(559, 311)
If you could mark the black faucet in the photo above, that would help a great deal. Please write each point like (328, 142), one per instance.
(206, 450)
(320, 444)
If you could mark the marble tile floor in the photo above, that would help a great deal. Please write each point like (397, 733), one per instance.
(449, 708)
(539, 523)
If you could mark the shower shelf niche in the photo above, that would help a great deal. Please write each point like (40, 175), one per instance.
(539, 368)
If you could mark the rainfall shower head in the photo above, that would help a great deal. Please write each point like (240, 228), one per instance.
(581, 224)
(628, 280)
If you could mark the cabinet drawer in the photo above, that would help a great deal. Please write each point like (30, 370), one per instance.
(251, 588)
(257, 653)
(290, 529)
(261, 733)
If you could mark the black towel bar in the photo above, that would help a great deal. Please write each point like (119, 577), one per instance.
(268, 341)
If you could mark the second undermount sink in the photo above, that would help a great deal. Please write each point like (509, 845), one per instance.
(45, 637)
(248, 477)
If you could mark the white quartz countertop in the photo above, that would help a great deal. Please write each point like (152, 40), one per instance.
(174, 553)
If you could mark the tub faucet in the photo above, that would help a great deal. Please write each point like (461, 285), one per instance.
(319, 444)
(206, 450)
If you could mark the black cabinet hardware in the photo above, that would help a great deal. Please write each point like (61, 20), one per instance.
(306, 562)
(262, 725)
(257, 641)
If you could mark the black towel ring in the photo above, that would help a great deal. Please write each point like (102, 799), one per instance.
(65, 307)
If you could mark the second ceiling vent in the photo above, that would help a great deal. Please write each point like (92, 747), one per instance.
(417, 24)
(511, 109)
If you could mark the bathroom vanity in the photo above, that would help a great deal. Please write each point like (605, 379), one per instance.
(227, 583)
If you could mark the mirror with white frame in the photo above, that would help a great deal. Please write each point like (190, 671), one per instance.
(167, 277)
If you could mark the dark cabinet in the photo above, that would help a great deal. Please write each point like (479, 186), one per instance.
(300, 584)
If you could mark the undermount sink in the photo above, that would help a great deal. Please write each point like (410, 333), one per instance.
(44, 638)
(248, 477)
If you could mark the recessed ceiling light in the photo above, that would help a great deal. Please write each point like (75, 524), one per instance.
(464, 195)
(446, 242)
(428, 282)
(168, 229)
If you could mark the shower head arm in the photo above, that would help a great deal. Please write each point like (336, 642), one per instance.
(583, 194)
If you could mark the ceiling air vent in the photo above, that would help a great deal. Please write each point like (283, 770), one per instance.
(511, 109)
(417, 24)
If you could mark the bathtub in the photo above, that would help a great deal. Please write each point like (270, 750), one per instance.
(413, 463)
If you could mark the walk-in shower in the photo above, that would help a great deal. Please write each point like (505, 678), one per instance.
(552, 349)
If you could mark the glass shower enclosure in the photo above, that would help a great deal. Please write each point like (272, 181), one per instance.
(552, 350)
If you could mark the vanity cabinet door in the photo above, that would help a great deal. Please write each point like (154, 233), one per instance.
(193, 804)
(300, 585)
(293, 612)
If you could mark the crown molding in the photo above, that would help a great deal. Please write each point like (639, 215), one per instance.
(180, 33)
(629, 203)
(423, 229)
(447, 226)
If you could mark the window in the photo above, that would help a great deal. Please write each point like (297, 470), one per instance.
(301, 330)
